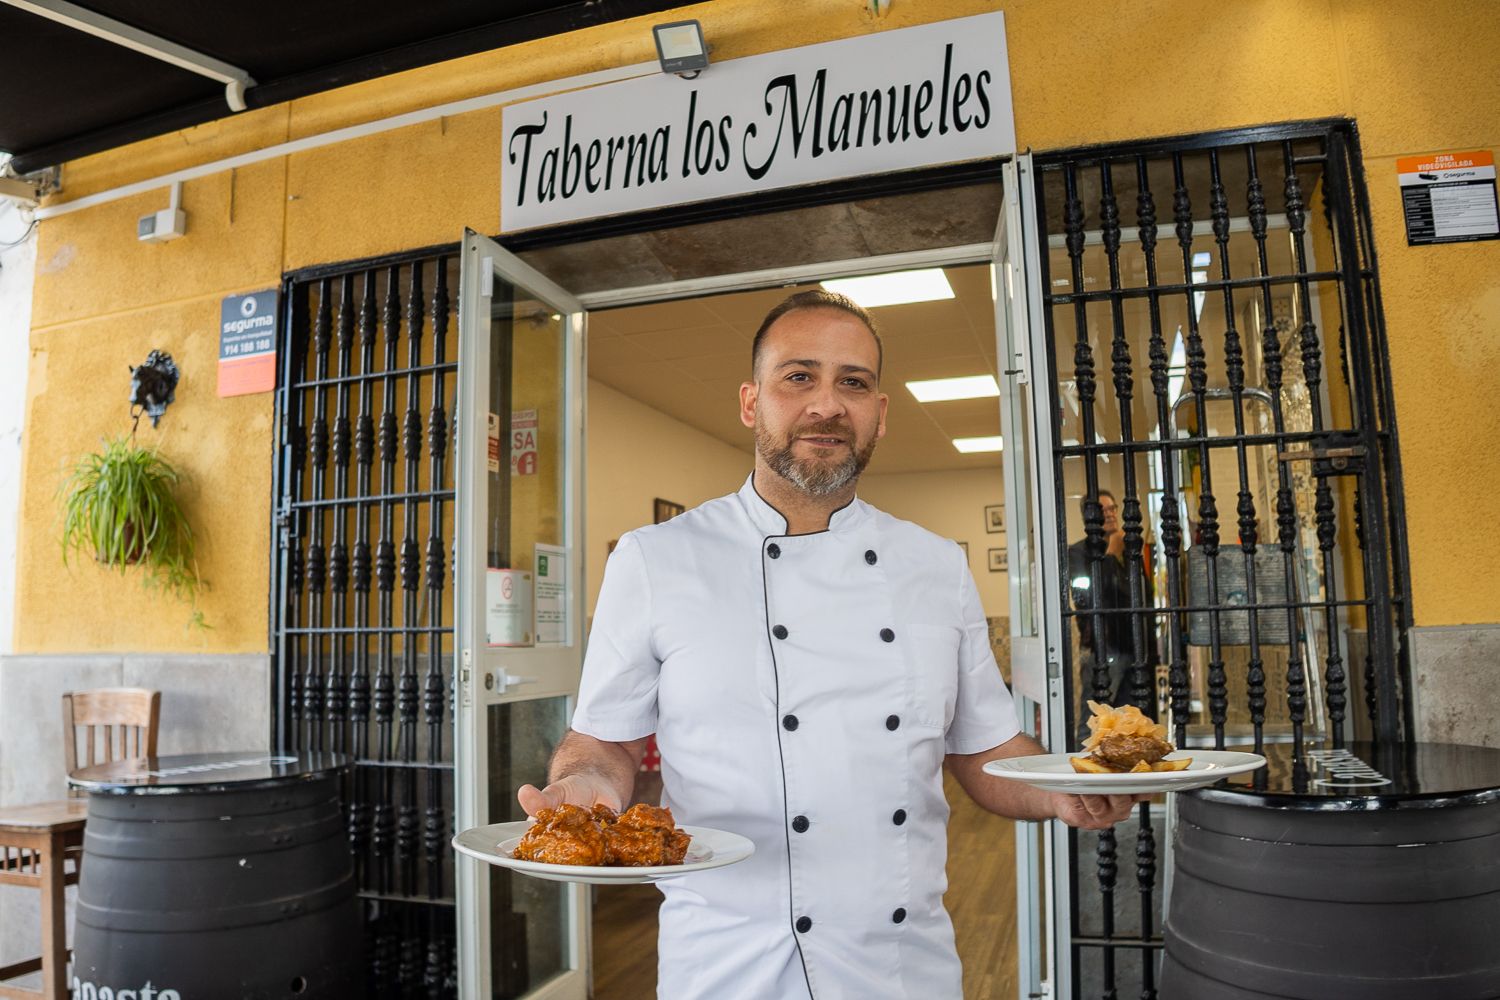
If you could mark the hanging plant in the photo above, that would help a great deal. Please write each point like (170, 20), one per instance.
(120, 506)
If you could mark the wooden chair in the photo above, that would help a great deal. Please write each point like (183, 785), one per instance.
(116, 724)
(37, 841)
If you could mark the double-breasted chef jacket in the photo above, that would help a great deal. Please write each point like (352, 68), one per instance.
(803, 690)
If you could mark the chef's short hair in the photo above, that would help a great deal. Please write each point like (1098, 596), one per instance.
(816, 298)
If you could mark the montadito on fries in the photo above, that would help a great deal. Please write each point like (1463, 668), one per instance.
(1124, 741)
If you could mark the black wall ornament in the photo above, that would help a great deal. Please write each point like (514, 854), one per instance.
(153, 386)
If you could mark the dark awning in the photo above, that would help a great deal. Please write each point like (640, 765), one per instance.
(65, 93)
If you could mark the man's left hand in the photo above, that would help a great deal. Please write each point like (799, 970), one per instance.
(1095, 812)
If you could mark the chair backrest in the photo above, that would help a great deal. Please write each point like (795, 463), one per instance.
(109, 724)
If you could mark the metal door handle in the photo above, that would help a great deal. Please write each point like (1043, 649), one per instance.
(508, 680)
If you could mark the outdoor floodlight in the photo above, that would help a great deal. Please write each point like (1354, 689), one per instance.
(680, 47)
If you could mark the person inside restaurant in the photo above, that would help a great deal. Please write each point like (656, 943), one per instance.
(808, 665)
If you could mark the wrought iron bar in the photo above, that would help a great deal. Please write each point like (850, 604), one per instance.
(1108, 871)
(1208, 514)
(402, 496)
(363, 570)
(1370, 412)
(379, 376)
(317, 564)
(407, 688)
(1171, 523)
(1286, 508)
(293, 453)
(1150, 609)
(1145, 880)
(1129, 507)
(433, 826)
(1234, 364)
(1312, 374)
(1205, 285)
(338, 561)
(383, 820)
(1083, 374)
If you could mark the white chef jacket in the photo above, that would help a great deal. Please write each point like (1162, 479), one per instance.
(803, 690)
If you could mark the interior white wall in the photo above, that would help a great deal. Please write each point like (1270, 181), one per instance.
(636, 454)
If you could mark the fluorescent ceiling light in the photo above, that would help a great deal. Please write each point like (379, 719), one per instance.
(899, 288)
(1202, 258)
(970, 446)
(939, 390)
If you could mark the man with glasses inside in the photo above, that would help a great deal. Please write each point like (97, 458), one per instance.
(1106, 638)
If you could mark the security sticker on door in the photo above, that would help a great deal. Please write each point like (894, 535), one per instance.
(523, 440)
(507, 608)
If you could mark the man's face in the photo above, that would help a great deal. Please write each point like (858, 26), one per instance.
(1111, 514)
(816, 403)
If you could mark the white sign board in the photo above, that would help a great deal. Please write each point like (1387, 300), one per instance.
(897, 100)
(507, 607)
(551, 594)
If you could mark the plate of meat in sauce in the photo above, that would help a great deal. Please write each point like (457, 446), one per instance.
(573, 844)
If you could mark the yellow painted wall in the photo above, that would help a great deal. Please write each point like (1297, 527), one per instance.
(1416, 77)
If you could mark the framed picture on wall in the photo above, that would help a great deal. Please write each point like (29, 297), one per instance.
(994, 518)
(665, 510)
(999, 560)
(965, 547)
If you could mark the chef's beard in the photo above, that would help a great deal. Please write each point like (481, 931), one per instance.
(813, 477)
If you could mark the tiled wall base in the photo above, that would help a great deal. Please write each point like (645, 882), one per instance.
(1454, 673)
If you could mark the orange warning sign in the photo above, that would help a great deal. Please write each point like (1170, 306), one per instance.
(1430, 162)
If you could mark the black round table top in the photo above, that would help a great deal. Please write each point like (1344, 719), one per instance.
(206, 772)
(1365, 776)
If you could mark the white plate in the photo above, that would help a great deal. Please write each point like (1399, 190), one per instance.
(1053, 773)
(709, 848)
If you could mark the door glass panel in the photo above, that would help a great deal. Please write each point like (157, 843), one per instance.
(519, 440)
(525, 478)
(528, 916)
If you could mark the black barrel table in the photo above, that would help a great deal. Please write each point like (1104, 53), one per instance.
(216, 875)
(1361, 873)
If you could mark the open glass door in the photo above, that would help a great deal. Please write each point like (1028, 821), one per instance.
(519, 604)
(1035, 620)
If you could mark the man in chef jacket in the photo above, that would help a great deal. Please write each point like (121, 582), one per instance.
(808, 664)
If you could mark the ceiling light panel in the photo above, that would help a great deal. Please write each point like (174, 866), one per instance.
(897, 288)
(974, 445)
(940, 390)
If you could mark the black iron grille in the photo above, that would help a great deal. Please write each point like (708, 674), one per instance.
(362, 631)
(1225, 466)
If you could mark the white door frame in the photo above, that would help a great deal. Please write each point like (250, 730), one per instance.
(491, 676)
(1040, 944)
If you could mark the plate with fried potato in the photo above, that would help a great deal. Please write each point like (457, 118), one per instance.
(1126, 753)
(1055, 772)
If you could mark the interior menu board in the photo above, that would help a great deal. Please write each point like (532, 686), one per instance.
(1449, 197)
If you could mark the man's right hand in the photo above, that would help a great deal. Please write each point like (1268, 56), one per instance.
(579, 789)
